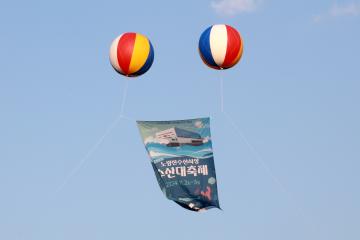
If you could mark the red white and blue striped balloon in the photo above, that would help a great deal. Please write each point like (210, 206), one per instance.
(131, 54)
(220, 46)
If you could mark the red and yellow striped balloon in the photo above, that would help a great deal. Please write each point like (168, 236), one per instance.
(131, 54)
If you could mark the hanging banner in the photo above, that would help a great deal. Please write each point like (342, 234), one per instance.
(182, 157)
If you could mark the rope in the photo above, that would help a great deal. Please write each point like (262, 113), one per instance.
(98, 143)
(258, 156)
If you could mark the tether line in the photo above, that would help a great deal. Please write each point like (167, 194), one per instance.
(98, 143)
(258, 156)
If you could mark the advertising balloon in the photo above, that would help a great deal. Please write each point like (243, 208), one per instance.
(131, 54)
(220, 46)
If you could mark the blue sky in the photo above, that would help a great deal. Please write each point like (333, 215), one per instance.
(294, 96)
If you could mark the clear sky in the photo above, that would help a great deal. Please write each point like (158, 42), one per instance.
(295, 97)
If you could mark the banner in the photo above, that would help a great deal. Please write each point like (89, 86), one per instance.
(182, 157)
